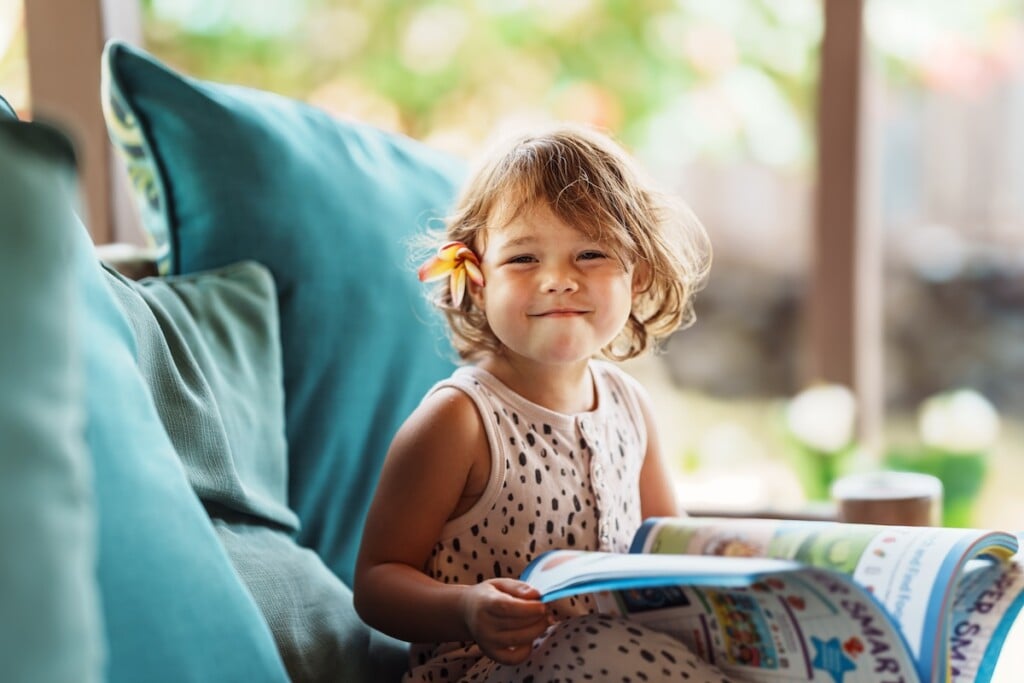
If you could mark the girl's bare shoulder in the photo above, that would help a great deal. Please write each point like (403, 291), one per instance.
(447, 421)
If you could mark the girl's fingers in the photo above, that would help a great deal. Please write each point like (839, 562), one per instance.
(511, 607)
(522, 613)
(520, 636)
(516, 589)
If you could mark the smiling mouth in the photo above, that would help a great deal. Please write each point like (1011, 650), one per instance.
(560, 313)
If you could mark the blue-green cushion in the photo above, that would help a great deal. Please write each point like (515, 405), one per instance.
(49, 608)
(173, 608)
(227, 174)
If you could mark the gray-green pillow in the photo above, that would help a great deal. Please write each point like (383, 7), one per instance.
(50, 627)
(309, 610)
(208, 347)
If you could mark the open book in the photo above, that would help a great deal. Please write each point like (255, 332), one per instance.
(770, 600)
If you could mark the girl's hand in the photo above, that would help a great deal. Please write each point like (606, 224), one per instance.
(504, 616)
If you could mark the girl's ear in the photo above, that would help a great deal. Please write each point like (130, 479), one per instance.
(476, 293)
(642, 277)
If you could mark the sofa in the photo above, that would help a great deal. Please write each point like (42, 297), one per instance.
(188, 458)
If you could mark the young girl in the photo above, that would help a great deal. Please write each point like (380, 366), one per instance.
(558, 252)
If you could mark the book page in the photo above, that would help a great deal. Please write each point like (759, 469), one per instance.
(910, 570)
(988, 599)
(560, 573)
(803, 625)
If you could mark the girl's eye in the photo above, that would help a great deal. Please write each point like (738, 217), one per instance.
(591, 255)
(523, 258)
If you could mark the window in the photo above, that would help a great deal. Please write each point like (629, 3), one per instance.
(948, 122)
(717, 98)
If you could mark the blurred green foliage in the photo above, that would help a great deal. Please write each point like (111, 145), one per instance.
(454, 69)
(723, 80)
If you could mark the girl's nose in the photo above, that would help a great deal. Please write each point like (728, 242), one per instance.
(559, 281)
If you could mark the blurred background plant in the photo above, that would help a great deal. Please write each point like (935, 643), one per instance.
(957, 432)
(717, 98)
(820, 422)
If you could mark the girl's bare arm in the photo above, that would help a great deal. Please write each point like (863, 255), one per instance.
(657, 493)
(423, 479)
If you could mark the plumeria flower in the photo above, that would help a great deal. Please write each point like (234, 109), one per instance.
(822, 417)
(459, 263)
(960, 421)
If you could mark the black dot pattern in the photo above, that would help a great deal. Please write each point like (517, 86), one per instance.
(593, 647)
(557, 481)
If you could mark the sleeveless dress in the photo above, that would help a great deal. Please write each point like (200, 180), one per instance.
(556, 481)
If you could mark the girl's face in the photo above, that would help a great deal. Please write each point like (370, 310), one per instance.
(552, 295)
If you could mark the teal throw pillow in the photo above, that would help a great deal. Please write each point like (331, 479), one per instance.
(173, 608)
(225, 174)
(50, 627)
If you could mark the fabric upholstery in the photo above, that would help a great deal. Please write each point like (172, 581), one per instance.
(208, 349)
(50, 627)
(226, 174)
(310, 611)
(172, 607)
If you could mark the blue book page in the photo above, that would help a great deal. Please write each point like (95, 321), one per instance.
(759, 619)
(912, 571)
(803, 625)
(559, 573)
(989, 598)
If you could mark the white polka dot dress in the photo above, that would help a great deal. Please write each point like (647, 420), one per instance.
(557, 481)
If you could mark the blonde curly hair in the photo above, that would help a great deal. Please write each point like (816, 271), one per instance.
(589, 182)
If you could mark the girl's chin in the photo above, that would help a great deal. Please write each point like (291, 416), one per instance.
(561, 356)
(554, 350)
